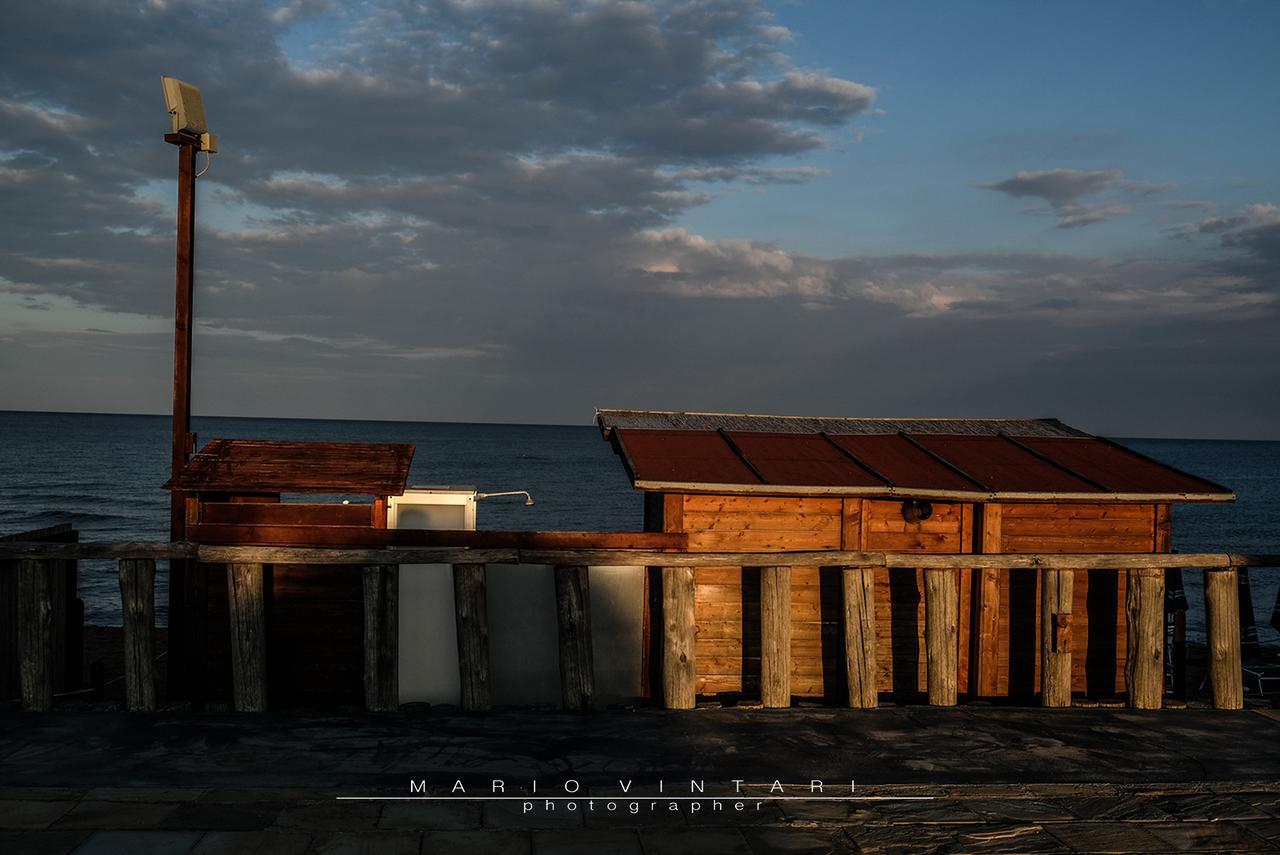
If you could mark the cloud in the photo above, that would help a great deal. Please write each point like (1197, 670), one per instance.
(1063, 189)
(480, 210)
(1060, 289)
(1254, 228)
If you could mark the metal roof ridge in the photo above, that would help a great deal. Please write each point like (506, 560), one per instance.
(600, 411)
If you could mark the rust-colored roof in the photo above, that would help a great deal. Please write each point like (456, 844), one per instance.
(285, 466)
(970, 459)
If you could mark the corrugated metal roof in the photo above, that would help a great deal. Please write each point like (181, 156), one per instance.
(960, 459)
(283, 466)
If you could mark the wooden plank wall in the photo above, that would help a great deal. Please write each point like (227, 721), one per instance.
(727, 599)
(1098, 623)
(900, 594)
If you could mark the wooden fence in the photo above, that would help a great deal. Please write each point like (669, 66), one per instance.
(1144, 671)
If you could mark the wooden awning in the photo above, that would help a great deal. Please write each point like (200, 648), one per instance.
(287, 466)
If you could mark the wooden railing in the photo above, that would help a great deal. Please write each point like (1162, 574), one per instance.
(1144, 670)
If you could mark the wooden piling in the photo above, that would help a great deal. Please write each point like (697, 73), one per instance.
(775, 636)
(1144, 662)
(35, 634)
(248, 636)
(678, 663)
(138, 598)
(382, 637)
(1222, 608)
(942, 635)
(473, 635)
(573, 612)
(860, 635)
(1055, 637)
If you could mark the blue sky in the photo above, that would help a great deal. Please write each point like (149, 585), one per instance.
(518, 210)
(1166, 92)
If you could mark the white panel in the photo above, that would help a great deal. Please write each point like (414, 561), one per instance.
(428, 620)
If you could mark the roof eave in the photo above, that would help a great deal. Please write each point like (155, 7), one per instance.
(924, 493)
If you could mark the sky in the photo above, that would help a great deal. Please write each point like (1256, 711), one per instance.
(520, 210)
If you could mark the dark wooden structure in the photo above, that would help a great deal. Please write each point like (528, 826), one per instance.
(61, 622)
(740, 483)
(311, 618)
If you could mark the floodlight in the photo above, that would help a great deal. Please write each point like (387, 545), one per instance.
(185, 105)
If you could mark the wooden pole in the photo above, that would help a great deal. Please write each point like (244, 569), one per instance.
(942, 635)
(679, 669)
(1144, 662)
(775, 636)
(382, 638)
(248, 636)
(138, 596)
(183, 439)
(860, 635)
(473, 635)
(1222, 607)
(573, 611)
(35, 635)
(1055, 637)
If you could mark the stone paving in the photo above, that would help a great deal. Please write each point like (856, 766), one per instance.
(1035, 781)
(1239, 816)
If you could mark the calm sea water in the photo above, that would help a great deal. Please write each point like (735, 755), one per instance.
(103, 474)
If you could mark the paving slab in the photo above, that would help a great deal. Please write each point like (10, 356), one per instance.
(138, 842)
(366, 843)
(1020, 838)
(32, 813)
(797, 841)
(430, 815)
(224, 816)
(588, 841)
(477, 842)
(1120, 838)
(694, 841)
(42, 842)
(1207, 837)
(113, 815)
(253, 843)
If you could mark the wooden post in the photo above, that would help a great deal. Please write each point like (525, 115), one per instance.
(138, 597)
(775, 636)
(573, 611)
(382, 637)
(183, 439)
(1144, 662)
(941, 635)
(248, 636)
(860, 635)
(984, 664)
(473, 635)
(1055, 637)
(1222, 607)
(35, 635)
(678, 664)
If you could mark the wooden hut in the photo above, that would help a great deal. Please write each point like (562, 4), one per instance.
(313, 614)
(748, 483)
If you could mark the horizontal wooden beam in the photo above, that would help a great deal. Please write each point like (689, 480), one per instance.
(339, 536)
(481, 554)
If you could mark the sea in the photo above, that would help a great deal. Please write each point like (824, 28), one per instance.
(102, 473)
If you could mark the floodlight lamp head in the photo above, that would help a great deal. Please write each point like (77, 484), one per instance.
(186, 108)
